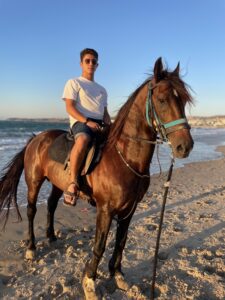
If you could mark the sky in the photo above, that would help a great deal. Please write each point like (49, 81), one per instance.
(40, 43)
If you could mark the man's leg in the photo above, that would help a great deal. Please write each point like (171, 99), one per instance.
(77, 156)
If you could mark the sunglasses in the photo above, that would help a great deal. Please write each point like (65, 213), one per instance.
(88, 61)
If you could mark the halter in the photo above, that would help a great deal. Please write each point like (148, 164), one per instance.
(164, 129)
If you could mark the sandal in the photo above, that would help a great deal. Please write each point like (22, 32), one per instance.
(70, 198)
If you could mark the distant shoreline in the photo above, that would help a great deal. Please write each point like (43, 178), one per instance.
(47, 120)
(211, 121)
(194, 121)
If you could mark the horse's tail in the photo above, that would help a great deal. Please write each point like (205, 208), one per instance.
(9, 181)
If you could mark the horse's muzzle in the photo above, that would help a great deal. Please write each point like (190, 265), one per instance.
(182, 143)
(183, 150)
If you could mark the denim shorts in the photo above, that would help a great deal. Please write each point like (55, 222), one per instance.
(80, 128)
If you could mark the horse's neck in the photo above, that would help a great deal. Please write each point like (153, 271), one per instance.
(131, 142)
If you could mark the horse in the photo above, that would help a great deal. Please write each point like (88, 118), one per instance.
(121, 178)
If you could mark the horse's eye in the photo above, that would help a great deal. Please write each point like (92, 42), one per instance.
(162, 101)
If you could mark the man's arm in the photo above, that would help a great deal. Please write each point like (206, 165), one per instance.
(73, 112)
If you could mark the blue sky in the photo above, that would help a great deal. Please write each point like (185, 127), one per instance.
(40, 42)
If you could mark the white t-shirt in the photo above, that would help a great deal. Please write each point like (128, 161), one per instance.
(89, 96)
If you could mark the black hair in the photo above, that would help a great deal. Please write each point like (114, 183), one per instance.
(88, 51)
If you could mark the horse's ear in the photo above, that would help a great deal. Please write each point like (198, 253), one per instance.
(158, 68)
(177, 69)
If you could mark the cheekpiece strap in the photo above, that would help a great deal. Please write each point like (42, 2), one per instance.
(148, 105)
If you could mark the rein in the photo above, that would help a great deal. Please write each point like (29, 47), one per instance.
(129, 166)
(166, 190)
(137, 139)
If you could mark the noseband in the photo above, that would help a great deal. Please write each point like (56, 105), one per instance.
(164, 129)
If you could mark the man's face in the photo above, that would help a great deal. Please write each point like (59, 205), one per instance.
(89, 64)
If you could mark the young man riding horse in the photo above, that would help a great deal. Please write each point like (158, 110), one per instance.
(86, 104)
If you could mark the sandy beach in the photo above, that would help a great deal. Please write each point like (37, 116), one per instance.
(192, 249)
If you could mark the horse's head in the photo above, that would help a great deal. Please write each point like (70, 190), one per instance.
(169, 96)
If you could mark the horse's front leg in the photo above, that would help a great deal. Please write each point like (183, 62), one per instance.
(103, 223)
(115, 262)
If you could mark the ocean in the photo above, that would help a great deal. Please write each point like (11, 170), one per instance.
(14, 135)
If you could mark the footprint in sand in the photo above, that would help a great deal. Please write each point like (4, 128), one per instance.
(184, 251)
(209, 202)
(221, 273)
(163, 255)
(151, 227)
(209, 269)
(206, 216)
(178, 227)
(220, 253)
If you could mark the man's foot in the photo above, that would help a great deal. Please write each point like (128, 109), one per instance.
(71, 194)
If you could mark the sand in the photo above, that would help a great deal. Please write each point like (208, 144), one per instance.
(192, 250)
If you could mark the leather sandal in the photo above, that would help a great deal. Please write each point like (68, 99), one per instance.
(70, 198)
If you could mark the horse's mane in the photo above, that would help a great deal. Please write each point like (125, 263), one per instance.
(176, 82)
(120, 119)
(182, 88)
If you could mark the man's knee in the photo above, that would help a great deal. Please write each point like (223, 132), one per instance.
(82, 140)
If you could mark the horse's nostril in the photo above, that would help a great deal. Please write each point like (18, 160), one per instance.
(183, 149)
(180, 148)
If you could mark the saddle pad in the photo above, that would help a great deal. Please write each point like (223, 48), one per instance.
(60, 149)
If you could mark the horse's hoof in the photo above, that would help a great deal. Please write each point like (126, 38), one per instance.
(30, 254)
(50, 234)
(52, 239)
(89, 288)
(120, 282)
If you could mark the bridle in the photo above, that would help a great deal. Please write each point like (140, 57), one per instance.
(163, 129)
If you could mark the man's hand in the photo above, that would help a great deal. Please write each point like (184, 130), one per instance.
(94, 126)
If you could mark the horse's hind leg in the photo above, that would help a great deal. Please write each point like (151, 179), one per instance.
(33, 190)
(52, 205)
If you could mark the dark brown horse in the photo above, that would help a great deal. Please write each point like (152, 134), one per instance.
(121, 178)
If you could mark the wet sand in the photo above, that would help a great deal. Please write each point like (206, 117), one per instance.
(192, 250)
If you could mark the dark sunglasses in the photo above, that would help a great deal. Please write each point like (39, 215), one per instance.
(88, 61)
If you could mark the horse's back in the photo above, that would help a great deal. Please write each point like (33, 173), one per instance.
(36, 158)
(42, 141)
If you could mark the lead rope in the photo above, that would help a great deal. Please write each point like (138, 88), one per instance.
(166, 186)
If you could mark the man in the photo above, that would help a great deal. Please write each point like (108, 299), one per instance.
(86, 104)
